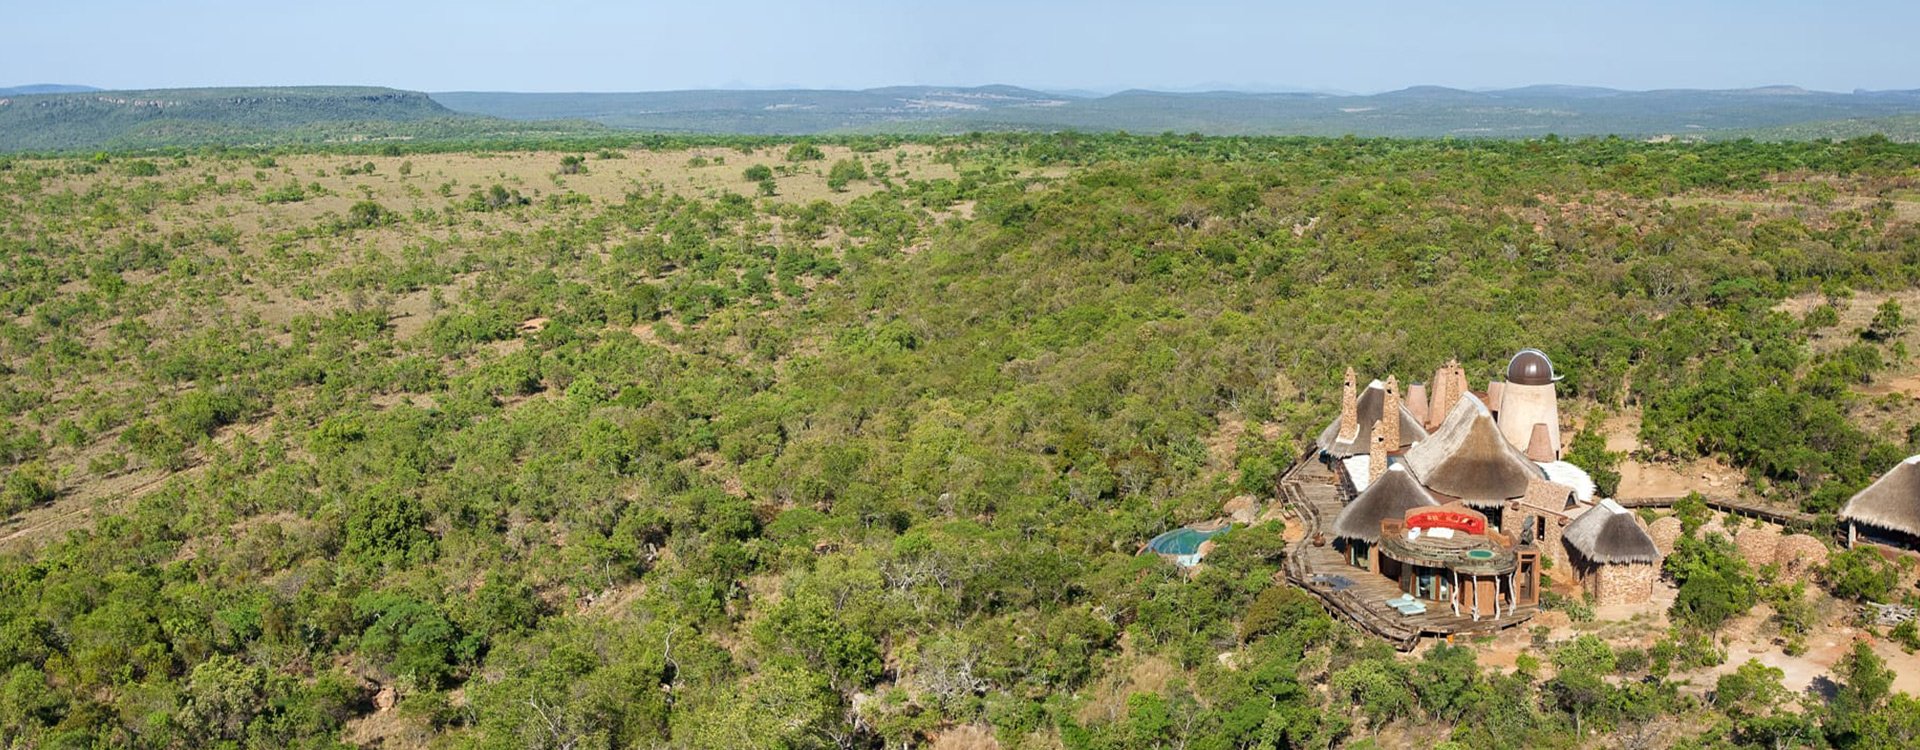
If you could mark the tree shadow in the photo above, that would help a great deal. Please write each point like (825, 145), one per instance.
(1824, 686)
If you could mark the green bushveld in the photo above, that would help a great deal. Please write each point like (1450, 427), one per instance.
(882, 471)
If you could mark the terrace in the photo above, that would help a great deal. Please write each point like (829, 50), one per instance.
(1361, 597)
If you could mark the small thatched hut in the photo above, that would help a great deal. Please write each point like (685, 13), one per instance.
(1357, 530)
(1467, 459)
(1887, 512)
(1614, 558)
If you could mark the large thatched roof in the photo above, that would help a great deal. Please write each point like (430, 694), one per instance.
(1466, 458)
(1370, 405)
(1388, 498)
(1607, 533)
(1891, 502)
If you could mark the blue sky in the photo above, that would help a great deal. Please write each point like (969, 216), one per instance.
(568, 45)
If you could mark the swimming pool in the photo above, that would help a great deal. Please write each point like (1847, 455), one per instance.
(1184, 543)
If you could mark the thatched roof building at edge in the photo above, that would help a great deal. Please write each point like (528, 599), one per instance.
(1388, 499)
(1890, 504)
(1370, 405)
(1466, 458)
(1607, 534)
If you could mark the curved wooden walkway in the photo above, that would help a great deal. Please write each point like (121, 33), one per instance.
(1735, 506)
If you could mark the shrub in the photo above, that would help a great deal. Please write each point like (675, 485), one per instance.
(29, 485)
(368, 214)
(1860, 573)
(288, 193)
(1888, 322)
(845, 171)
(1714, 582)
(805, 152)
(1589, 451)
(758, 172)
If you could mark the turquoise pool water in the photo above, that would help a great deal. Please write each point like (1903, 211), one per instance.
(1183, 540)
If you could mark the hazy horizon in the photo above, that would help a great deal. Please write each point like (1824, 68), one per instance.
(1064, 46)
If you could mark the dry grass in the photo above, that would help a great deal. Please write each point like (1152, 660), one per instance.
(965, 737)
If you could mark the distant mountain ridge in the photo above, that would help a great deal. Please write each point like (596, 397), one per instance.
(45, 88)
(232, 116)
(91, 120)
(1416, 111)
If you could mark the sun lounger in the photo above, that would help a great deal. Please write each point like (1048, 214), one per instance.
(1407, 605)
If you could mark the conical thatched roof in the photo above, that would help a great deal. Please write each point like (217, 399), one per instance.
(1608, 533)
(1891, 502)
(1467, 458)
(1371, 404)
(1389, 498)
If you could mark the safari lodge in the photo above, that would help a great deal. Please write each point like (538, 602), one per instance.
(1430, 514)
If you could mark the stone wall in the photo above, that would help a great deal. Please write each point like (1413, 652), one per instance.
(1630, 583)
(1550, 545)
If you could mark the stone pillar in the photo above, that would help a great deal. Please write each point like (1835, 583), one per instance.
(1390, 415)
(1417, 402)
(1349, 408)
(1376, 456)
(1449, 384)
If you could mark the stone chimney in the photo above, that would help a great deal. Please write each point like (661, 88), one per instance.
(1376, 456)
(1417, 402)
(1389, 425)
(1349, 409)
(1540, 445)
(1449, 383)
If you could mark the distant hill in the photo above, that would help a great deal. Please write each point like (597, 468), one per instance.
(113, 120)
(795, 111)
(45, 88)
(236, 116)
(1423, 111)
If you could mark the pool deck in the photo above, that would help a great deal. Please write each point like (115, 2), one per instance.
(1316, 497)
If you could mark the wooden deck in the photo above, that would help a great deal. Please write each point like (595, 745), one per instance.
(1313, 493)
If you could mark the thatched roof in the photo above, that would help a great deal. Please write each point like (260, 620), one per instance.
(1466, 458)
(1891, 502)
(1389, 498)
(1608, 533)
(1371, 403)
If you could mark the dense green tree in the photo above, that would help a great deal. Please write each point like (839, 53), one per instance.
(845, 171)
(1714, 582)
(805, 152)
(1860, 573)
